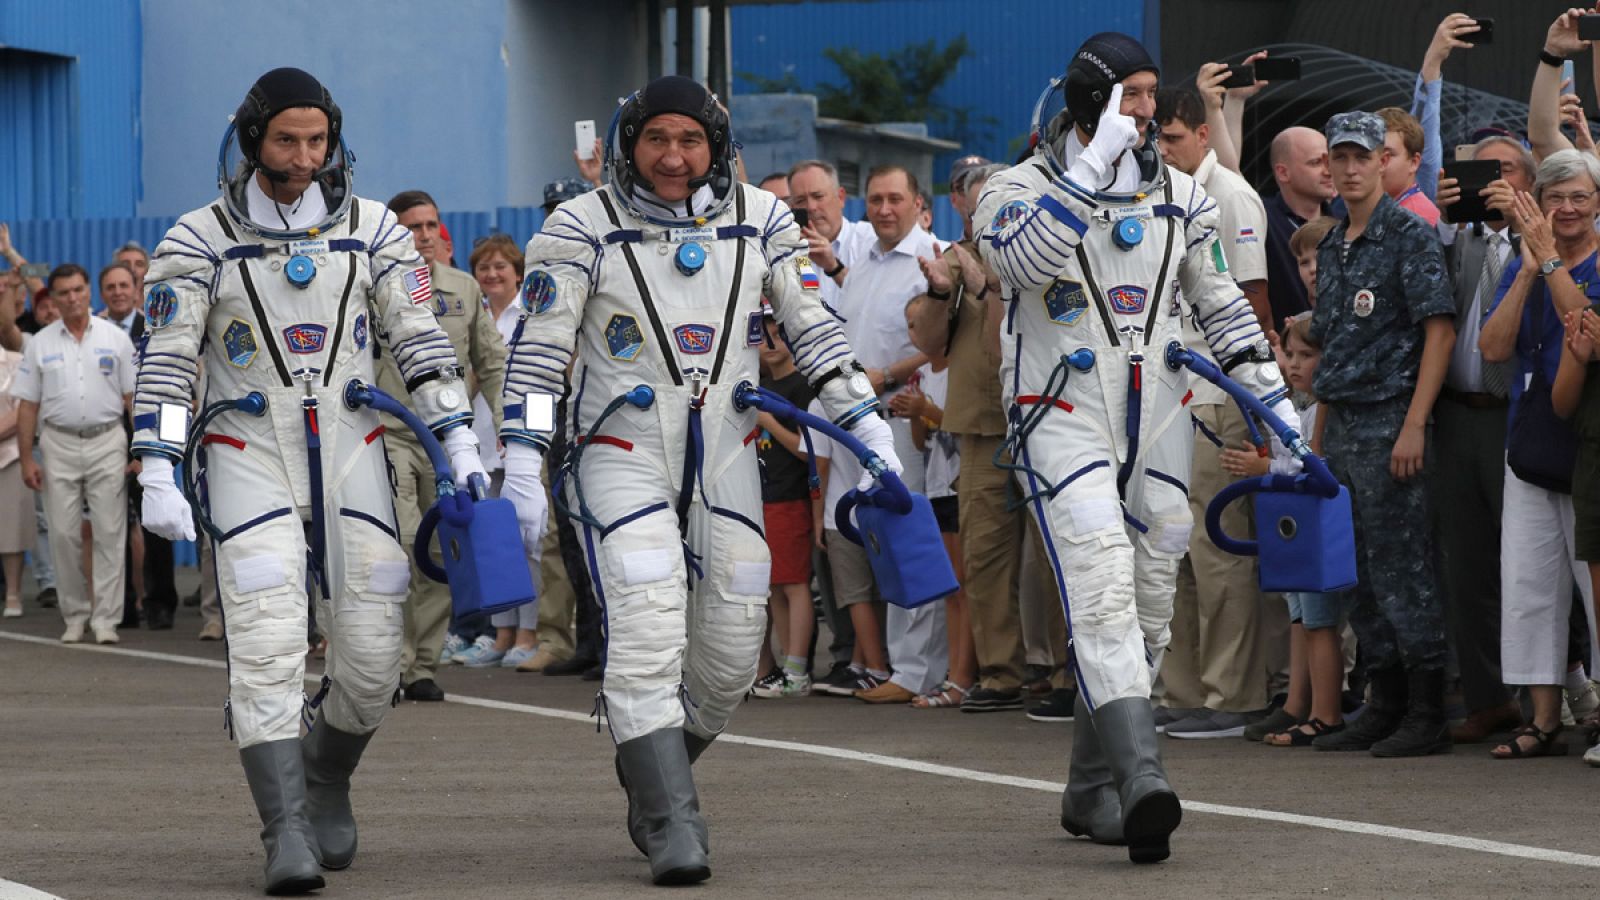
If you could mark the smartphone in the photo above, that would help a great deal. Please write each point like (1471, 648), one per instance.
(1464, 152)
(1473, 175)
(1589, 28)
(1240, 77)
(1484, 34)
(34, 270)
(1278, 68)
(802, 216)
(1569, 76)
(584, 141)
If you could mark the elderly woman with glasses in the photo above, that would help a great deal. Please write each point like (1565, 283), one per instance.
(1555, 275)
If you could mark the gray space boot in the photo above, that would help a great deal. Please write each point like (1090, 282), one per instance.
(694, 745)
(1150, 809)
(331, 756)
(661, 795)
(278, 785)
(1089, 805)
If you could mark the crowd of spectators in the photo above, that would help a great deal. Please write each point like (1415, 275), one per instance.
(1444, 365)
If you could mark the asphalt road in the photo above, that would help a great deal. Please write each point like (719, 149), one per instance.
(117, 781)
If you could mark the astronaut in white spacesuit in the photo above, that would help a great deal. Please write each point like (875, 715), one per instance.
(656, 279)
(1104, 249)
(281, 284)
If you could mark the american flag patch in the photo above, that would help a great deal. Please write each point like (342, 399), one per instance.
(419, 284)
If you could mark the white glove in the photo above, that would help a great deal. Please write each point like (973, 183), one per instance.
(462, 446)
(1283, 463)
(874, 432)
(525, 489)
(1113, 136)
(164, 511)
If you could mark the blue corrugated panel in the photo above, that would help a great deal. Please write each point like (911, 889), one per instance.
(87, 165)
(1015, 48)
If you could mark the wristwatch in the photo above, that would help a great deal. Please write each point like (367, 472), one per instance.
(1549, 266)
(889, 382)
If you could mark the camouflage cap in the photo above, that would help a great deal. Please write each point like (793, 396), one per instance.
(1364, 129)
(563, 189)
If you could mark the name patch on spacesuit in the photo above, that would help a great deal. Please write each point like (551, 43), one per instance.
(359, 332)
(684, 235)
(1065, 301)
(694, 338)
(1126, 299)
(239, 341)
(624, 340)
(160, 306)
(756, 331)
(538, 291)
(306, 337)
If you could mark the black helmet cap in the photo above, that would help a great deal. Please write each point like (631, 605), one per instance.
(1101, 62)
(274, 92)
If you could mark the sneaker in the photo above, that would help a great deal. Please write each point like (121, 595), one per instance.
(46, 599)
(73, 634)
(865, 681)
(1166, 715)
(13, 612)
(1583, 703)
(1055, 707)
(211, 631)
(1209, 724)
(1592, 756)
(839, 682)
(481, 655)
(516, 656)
(453, 645)
(781, 684)
(106, 636)
(983, 700)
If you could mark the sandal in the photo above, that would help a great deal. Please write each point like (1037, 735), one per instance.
(1298, 736)
(1544, 744)
(948, 693)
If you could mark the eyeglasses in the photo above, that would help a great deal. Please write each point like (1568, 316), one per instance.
(1576, 198)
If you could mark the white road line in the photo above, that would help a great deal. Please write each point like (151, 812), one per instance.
(1437, 839)
(10, 890)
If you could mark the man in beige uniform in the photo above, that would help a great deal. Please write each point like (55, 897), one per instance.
(459, 309)
(76, 380)
(1214, 676)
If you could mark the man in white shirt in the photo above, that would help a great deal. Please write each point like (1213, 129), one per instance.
(834, 241)
(885, 275)
(75, 382)
(1215, 673)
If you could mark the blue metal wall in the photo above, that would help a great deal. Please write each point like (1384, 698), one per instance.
(69, 126)
(1016, 47)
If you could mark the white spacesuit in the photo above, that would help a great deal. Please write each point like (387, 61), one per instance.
(299, 494)
(635, 291)
(1106, 249)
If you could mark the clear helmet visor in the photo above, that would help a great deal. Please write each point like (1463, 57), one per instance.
(624, 177)
(334, 180)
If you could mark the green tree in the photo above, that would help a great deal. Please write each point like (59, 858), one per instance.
(897, 87)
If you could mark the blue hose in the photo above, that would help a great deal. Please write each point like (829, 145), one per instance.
(253, 404)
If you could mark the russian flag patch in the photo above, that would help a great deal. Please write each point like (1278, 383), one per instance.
(809, 279)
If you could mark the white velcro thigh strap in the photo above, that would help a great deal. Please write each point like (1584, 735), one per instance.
(389, 576)
(258, 573)
(750, 577)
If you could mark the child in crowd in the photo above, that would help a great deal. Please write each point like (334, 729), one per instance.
(1575, 394)
(853, 585)
(1316, 658)
(786, 506)
(1303, 243)
(923, 403)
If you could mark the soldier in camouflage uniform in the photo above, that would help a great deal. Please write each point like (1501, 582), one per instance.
(1384, 318)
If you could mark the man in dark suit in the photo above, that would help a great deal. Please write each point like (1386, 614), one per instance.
(1469, 475)
(149, 554)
